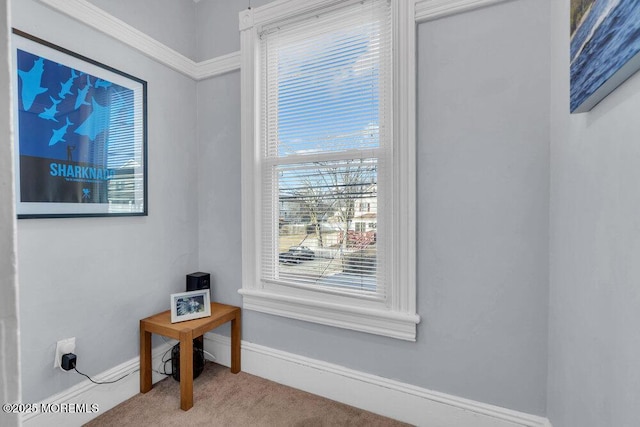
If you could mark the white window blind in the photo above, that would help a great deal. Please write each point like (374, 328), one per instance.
(325, 102)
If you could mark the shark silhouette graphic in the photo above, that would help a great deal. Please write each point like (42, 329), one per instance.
(50, 113)
(65, 88)
(82, 94)
(31, 81)
(102, 83)
(97, 122)
(58, 134)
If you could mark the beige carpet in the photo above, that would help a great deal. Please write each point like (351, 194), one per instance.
(223, 399)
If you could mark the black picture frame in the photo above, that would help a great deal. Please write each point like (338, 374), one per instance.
(80, 130)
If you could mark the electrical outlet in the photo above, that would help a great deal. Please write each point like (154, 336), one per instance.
(63, 347)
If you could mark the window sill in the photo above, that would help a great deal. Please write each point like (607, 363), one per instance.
(375, 321)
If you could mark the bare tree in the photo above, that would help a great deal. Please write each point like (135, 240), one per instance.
(312, 200)
(351, 182)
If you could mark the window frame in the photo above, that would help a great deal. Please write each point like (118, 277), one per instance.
(396, 315)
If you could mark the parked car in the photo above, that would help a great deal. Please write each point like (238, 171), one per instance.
(296, 254)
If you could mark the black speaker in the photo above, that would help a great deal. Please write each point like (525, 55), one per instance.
(197, 281)
(198, 359)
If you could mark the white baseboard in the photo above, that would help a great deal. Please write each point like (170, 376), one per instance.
(394, 399)
(106, 396)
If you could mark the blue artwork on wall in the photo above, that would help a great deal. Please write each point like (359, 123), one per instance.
(605, 42)
(81, 135)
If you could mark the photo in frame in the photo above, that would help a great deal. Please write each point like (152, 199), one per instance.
(604, 49)
(80, 134)
(190, 305)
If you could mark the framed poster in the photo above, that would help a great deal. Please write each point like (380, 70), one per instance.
(80, 134)
(604, 50)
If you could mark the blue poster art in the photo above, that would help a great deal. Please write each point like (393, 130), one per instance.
(75, 133)
(605, 43)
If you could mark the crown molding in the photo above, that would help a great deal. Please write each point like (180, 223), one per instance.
(428, 10)
(98, 19)
(216, 66)
(94, 17)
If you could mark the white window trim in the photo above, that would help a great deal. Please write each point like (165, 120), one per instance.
(397, 318)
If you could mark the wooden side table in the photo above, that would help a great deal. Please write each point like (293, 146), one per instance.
(185, 332)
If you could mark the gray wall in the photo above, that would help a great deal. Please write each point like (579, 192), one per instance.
(9, 339)
(171, 22)
(483, 192)
(217, 26)
(485, 115)
(219, 185)
(94, 278)
(594, 339)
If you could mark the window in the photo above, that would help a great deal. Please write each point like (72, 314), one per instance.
(326, 235)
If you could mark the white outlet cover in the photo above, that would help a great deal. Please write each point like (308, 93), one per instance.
(63, 347)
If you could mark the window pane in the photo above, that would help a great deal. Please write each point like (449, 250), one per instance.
(327, 224)
(322, 82)
(325, 103)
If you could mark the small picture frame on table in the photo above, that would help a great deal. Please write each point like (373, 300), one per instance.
(190, 305)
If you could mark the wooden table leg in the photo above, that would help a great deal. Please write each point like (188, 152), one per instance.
(235, 343)
(145, 360)
(186, 370)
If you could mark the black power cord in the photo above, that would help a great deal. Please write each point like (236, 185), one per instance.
(105, 382)
(69, 362)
